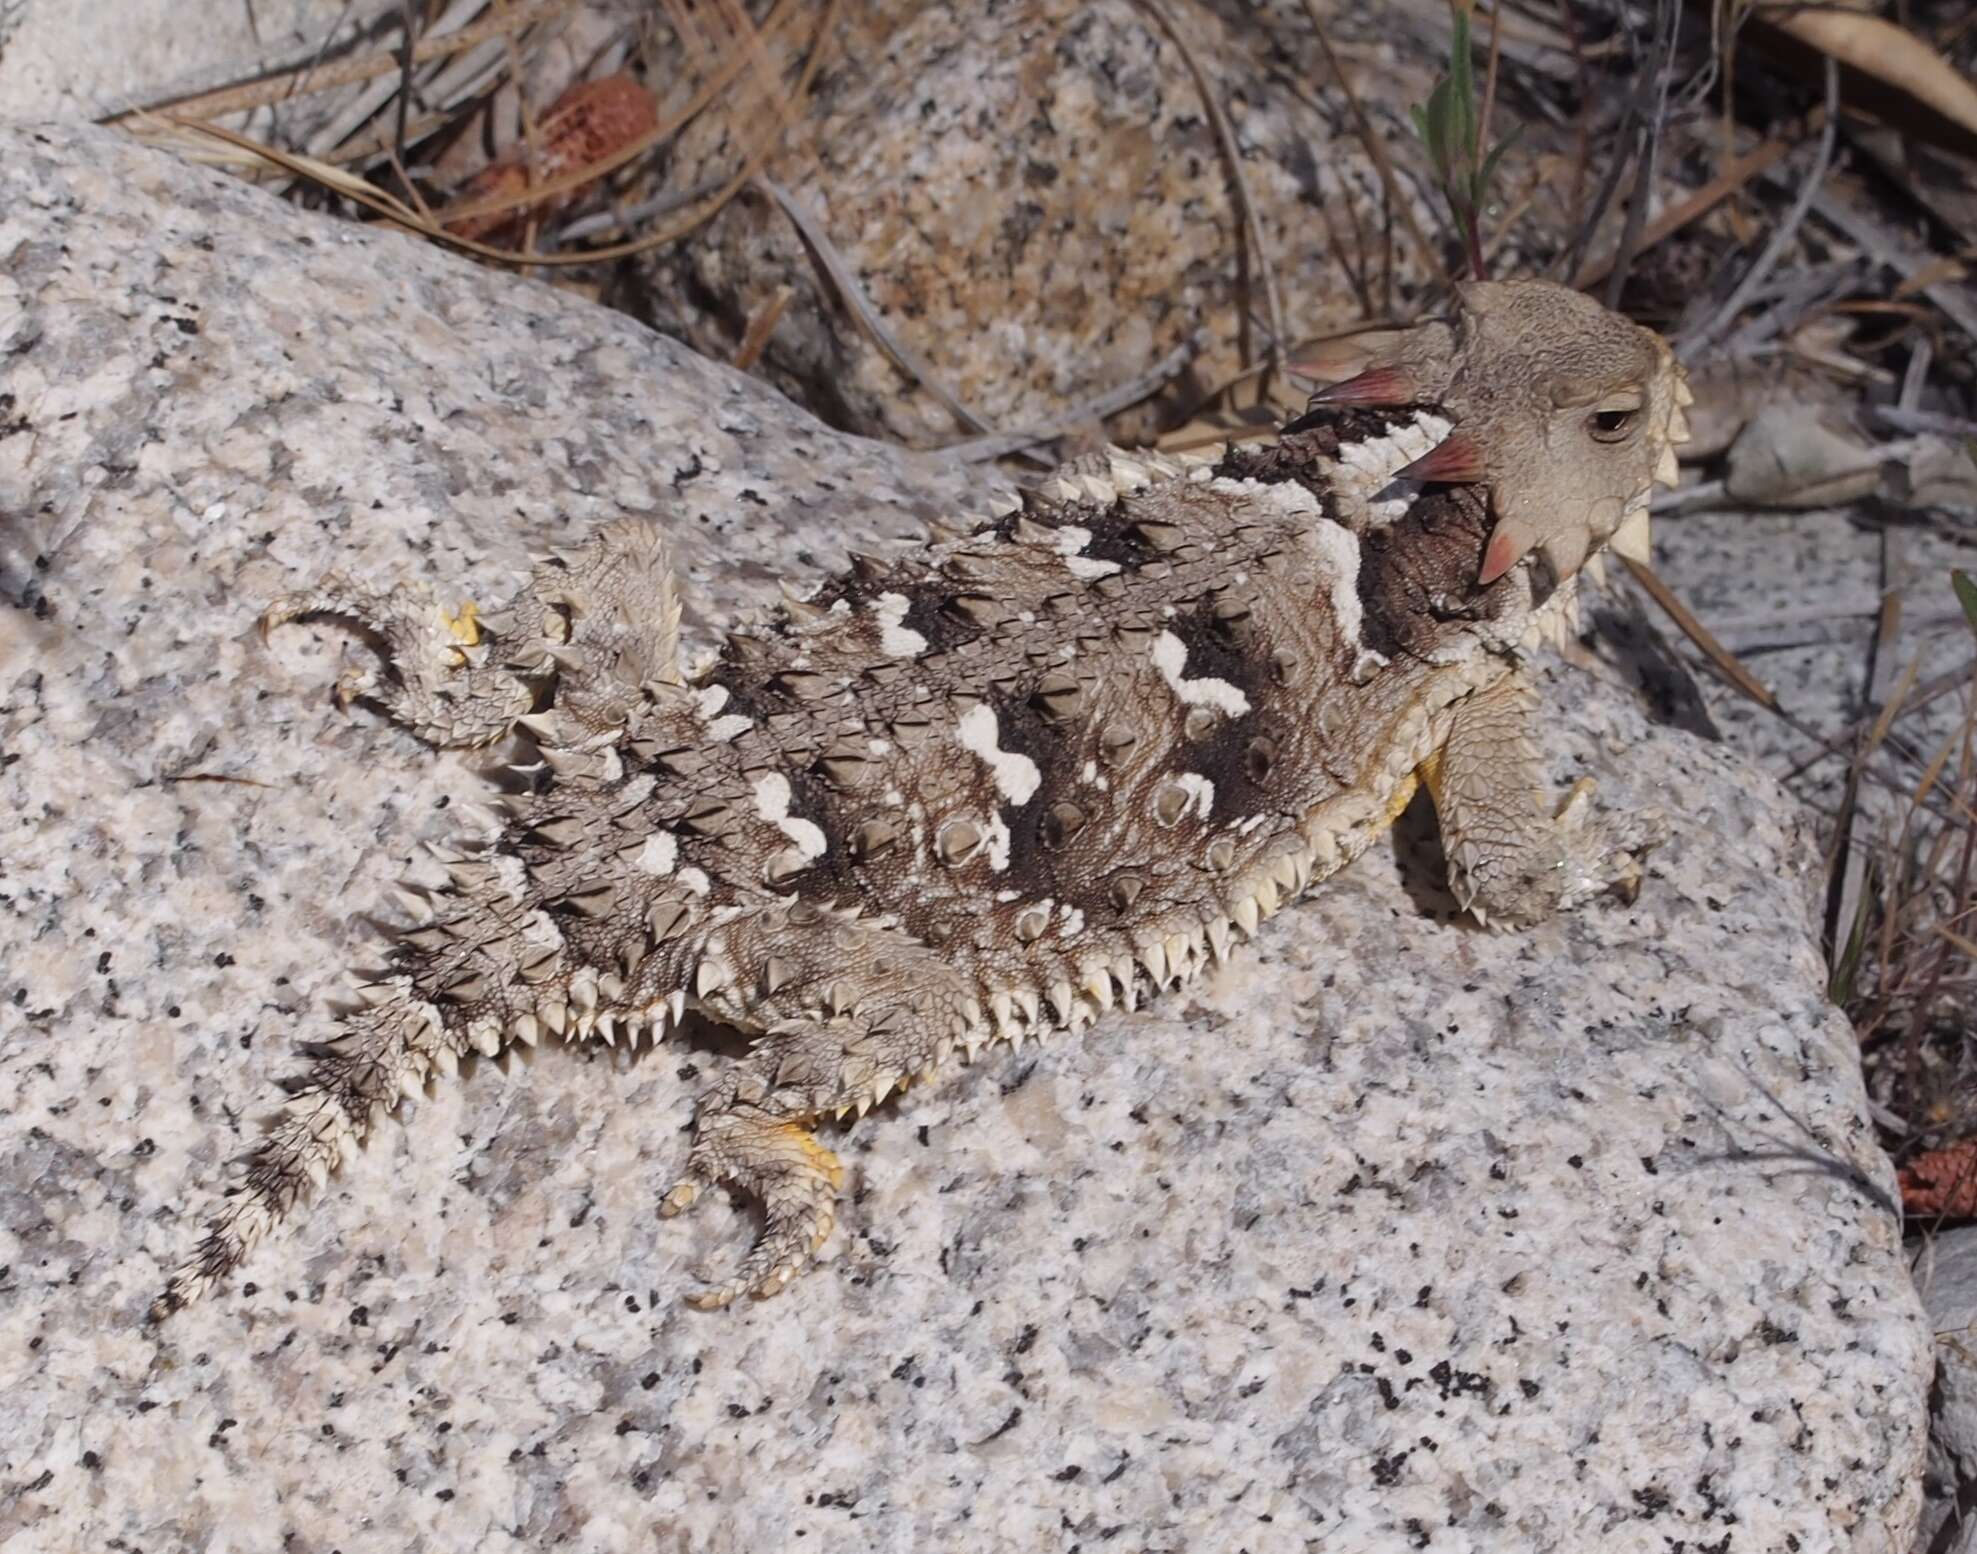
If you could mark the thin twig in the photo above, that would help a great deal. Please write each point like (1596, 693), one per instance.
(632, 215)
(1668, 17)
(1097, 408)
(404, 93)
(1694, 339)
(1923, 422)
(1258, 251)
(1792, 300)
(1932, 689)
(1581, 123)
(1704, 200)
(1567, 261)
(1376, 151)
(897, 351)
(763, 324)
(1724, 660)
(1890, 250)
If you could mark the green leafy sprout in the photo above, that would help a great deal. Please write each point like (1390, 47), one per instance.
(1450, 126)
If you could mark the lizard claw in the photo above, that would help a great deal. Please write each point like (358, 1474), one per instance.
(779, 1161)
(1602, 853)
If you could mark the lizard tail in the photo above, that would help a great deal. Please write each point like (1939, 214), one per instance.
(386, 1050)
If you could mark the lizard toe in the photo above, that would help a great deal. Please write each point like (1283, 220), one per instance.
(778, 1161)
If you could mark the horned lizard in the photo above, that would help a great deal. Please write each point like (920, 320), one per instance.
(1058, 761)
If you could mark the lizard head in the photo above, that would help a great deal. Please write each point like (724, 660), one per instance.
(1569, 413)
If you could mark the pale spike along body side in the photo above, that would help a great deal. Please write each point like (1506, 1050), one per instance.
(1048, 766)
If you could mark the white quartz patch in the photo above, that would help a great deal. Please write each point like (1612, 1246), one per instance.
(895, 640)
(1170, 657)
(772, 797)
(1016, 775)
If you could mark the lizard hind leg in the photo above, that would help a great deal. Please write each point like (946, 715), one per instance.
(776, 1158)
(600, 622)
(849, 1013)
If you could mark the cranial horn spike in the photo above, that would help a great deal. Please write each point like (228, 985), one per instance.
(1376, 386)
(1565, 550)
(1456, 460)
(1631, 538)
(1508, 545)
(1667, 471)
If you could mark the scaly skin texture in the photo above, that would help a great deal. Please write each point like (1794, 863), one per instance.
(1056, 763)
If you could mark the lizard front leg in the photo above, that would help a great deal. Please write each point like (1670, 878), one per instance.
(602, 623)
(1510, 857)
(849, 1013)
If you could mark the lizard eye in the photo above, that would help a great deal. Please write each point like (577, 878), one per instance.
(1611, 425)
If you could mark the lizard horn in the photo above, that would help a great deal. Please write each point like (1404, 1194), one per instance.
(1457, 459)
(1383, 385)
(1386, 386)
(1510, 541)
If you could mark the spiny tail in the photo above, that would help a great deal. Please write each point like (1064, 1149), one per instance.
(603, 624)
(386, 1050)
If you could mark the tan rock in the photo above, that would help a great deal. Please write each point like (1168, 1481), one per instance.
(1032, 196)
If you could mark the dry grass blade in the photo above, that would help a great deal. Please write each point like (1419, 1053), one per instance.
(845, 280)
(1376, 151)
(1695, 206)
(1668, 27)
(1890, 250)
(394, 210)
(1694, 339)
(347, 72)
(1885, 51)
(1725, 661)
(760, 326)
(1257, 250)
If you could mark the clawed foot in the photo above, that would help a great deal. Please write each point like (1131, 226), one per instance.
(436, 679)
(778, 1161)
(1602, 853)
(1579, 854)
(601, 622)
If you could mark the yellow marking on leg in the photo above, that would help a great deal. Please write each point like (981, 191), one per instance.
(1430, 772)
(819, 1157)
(1403, 795)
(465, 626)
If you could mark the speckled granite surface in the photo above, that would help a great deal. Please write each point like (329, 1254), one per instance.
(1946, 1272)
(1397, 1235)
